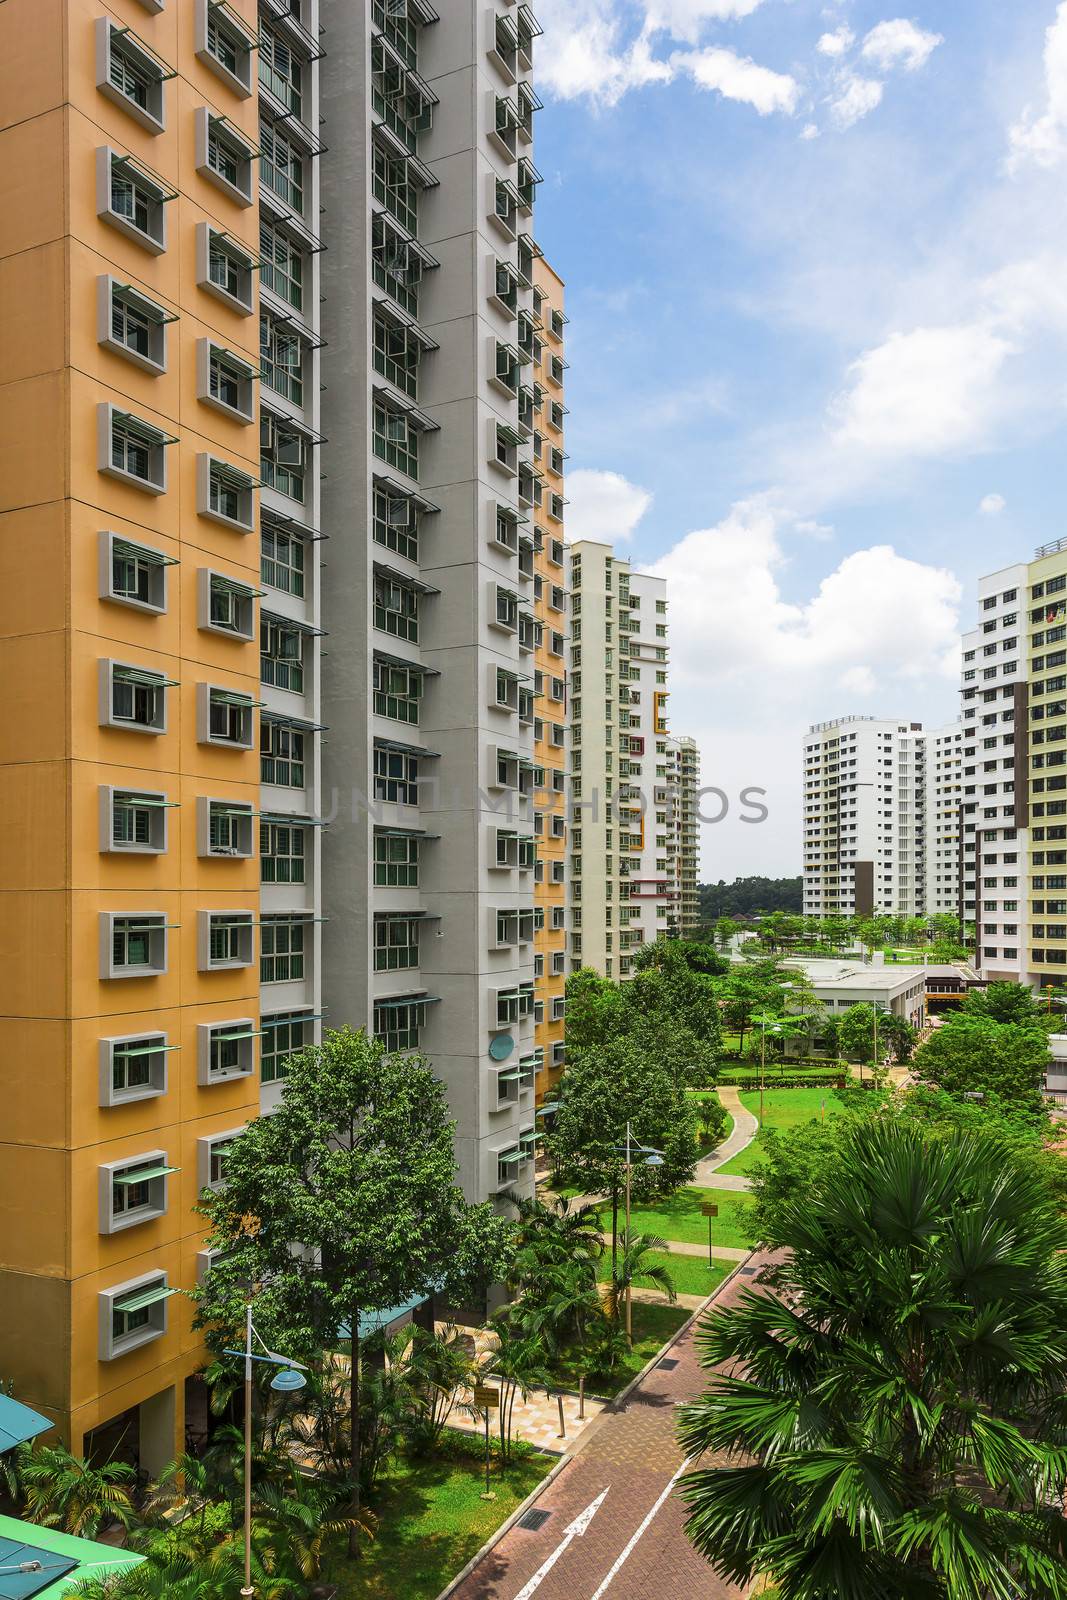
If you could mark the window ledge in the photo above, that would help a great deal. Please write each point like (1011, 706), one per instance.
(147, 241)
(240, 196)
(156, 368)
(134, 482)
(132, 109)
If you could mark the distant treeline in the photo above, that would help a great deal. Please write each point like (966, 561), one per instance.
(747, 897)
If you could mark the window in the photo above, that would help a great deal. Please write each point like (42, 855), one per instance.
(133, 821)
(504, 207)
(131, 1314)
(397, 690)
(396, 943)
(224, 268)
(211, 1156)
(282, 456)
(224, 44)
(395, 188)
(225, 605)
(132, 449)
(396, 522)
(225, 1050)
(398, 349)
(224, 156)
(133, 945)
(224, 940)
(224, 828)
(224, 716)
(281, 655)
(133, 1067)
(131, 324)
(133, 574)
(396, 440)
(398, 263)
(132, 199)
(281, 355)
(224, 493)
(225, 380)
(398, 1023)
(133, 697)
(281, 558)
(282, 847)
(504, 608)
(130, 74)
(282, 265)
(133, 1191)
(396, 775)
(396, 860)
(281, 754)
(396, 607)
(281, 950)
(281, 166)
(280, 72)
(284, 1034)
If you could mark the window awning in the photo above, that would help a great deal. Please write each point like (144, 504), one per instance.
(144, 1174)
(406, 578)
(394, 1002)
(406, 749)
(153, 680)
(383, 481)
(281, 1019)
(140, 1299)
(131, 1048)
(18, 1423)
(143, 552)
(403, 661)
(292, 819)
(404, 833)
(133, 801)
(230, 697)
(407, 916)
(221, 1032)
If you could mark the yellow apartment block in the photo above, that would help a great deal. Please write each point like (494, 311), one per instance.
(551, 716)
(129, 565)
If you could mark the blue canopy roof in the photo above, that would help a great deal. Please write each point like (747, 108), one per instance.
(18, 1423)
(60, 1560)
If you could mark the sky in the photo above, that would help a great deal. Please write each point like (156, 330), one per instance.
(816, 268)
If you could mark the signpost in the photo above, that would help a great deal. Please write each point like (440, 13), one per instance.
(486, 1400)
(709, 1210)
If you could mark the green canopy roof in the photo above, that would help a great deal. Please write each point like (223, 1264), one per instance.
(64, 1560)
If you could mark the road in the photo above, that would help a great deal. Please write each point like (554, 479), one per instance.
(614, 1529)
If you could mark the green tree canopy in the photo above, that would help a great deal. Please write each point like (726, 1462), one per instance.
(1006, 1002)
(898, 1395)
(973, 1054)
(746, 897)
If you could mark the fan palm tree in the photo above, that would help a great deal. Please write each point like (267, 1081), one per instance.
(894, 1412)
(66, 1491)
(635, 1264)
(186, 1485)
(440, 1366)
(517, 1364)
(566, 1299)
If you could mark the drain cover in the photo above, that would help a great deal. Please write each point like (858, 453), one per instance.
(533, 1519)
(749, 1272)
(669, 1364)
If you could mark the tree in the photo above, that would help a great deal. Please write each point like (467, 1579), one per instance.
(518, 1364)
(974, 1055)
(1006, 1002)
(594, 1008)
(344, 1202)
(637, 1264)
(726, 930)
(746, 897)
(859, 1043)
(899, 1391)
(67, 1492)
(756, 986)
(714, 1119)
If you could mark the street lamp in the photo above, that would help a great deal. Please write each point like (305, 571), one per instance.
(650, 1158)
(763, 1051)
(288, 1378)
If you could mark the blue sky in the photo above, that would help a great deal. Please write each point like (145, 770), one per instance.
(816, 263)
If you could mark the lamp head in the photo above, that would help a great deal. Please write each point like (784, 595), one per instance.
(288, 1380)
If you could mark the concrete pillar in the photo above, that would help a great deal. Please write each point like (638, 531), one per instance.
(162, 1427)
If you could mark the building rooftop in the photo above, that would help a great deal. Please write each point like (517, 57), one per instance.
(60, 1560)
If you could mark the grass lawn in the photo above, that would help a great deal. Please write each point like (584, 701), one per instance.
(691, 1274)
(679, 1217)
(431, 1521)
(783, 1108)
(653, 1325)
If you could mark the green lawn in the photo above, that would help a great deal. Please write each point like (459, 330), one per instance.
(783, 1108)
(653, 1325)
(679, 1217)
(691, 1274)
(431, 1521)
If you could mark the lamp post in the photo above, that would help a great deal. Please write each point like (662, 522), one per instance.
(286, 1380)
(763, 1052)
(651, 1158)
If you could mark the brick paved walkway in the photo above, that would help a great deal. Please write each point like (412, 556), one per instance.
(633, 1455)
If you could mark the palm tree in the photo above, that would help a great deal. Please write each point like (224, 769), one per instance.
(565, 1300)
(895, 1410)
(186, 1485)
(635, 1265)
(66, 1491)
(517, 1364)
(441, 1365)
(307, 1515)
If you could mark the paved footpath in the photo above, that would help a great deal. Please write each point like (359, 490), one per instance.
(621, 1487)
(744, 1130)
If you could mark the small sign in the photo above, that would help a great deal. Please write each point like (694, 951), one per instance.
(708, 1210)
(486, 1399)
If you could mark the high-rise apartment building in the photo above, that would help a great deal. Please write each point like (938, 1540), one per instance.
(551, 625)
(429, 188)
(683, 781)
(879, 829)
(171, 541)
(624, 786)
(160, 618)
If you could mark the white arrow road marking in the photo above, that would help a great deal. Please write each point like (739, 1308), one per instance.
(638, 1534)
(574, 1531)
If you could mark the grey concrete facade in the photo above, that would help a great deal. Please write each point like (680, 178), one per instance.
(429, 574)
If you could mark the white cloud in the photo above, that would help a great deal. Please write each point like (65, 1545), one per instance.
(684, 19)
(603, 505)
(991, 505)
(1042, 137)
(738, 78)
(899, 43)
(853, 99)
(927, 392)
(809, 131)
(836, 43)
